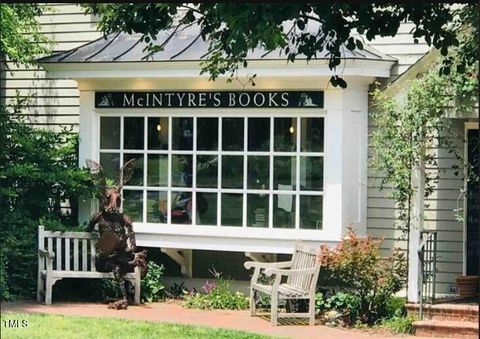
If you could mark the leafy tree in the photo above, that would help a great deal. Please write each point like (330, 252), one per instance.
(293, 29)
(38, 172)
(21, 40)
(467, 54)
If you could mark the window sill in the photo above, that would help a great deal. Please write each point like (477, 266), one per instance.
(238, 239)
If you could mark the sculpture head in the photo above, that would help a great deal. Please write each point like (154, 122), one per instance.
(111, 194)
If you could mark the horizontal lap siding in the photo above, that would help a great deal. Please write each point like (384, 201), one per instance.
(54, 103)
(439, 213)
(402, 47)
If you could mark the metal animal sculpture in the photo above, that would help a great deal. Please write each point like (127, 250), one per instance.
(116, 246)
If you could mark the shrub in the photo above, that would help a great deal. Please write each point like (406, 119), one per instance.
(38, 172)
(396, 307)
(4, 291)
(356, 266)
(399, 324)
(217, 296)
(176, 291)
(346, 304)
(152, 288)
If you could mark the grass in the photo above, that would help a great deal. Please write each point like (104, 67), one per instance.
(66, 327)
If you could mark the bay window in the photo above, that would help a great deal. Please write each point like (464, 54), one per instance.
(228, 170)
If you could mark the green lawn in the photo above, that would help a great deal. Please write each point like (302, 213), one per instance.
(66, 327)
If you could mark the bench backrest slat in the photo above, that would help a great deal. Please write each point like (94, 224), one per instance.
(75, 254)
(84, 254)
(67, 254)
(303, 258)
(49, 244)
(58, 254)
(92, 254)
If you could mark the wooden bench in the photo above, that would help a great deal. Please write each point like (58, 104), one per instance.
(302, 275)
(70, 255)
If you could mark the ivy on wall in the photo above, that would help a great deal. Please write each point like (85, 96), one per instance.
(410, 129)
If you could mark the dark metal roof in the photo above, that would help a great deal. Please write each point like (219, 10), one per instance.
(185, 45)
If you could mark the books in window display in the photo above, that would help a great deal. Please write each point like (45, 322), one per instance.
(260, 217)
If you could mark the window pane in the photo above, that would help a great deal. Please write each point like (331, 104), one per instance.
(109, 132)
(181, 170)
(232, 171)
(157, 207)
(137, 177)
(111, 165)
(182, 134)
(311, 173)
(232, 209)
(258, 169)
(284, 173)
(181, 208)
(207, 171)
(206, 208)
(311, 212)
(157, 170)
(232, 134)
(158, 133)
(312, 134)
(207, 134)
(259, 134)
(284, 211)
(285, 134)
(133, 204)
(133, 133)
(257, 210)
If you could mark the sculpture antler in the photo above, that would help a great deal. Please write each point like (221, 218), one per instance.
(126, 172)
(97, 169)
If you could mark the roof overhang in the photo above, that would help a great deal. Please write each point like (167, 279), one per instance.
(187, 69)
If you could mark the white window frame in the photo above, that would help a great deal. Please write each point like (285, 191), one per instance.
(243, 231)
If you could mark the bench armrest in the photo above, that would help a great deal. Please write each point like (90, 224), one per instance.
(47, 254)
(265, 265)
(281, 272)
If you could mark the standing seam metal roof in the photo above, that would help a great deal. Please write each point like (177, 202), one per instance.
(179, 45)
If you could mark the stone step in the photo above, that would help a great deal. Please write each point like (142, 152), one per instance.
(454, 312)
(446, 329)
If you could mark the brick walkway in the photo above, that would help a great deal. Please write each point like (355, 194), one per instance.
(175, 313)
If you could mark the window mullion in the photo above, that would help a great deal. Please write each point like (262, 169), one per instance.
(245, 150)
(194, 173)
(297, 195)
(122, 130)
(145, 166)
(219, 174)
(270, 178)
(169, 172)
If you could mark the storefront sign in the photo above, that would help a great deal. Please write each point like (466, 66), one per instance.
(215, 99)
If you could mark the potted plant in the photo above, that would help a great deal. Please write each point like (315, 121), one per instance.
(467, 285)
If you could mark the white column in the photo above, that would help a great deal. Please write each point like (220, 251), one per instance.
(416, 227)
(346, 155)
(88, 145)
(333, 167)
(355, 157)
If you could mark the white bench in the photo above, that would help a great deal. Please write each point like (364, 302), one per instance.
(302, 275)
(70, 255)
